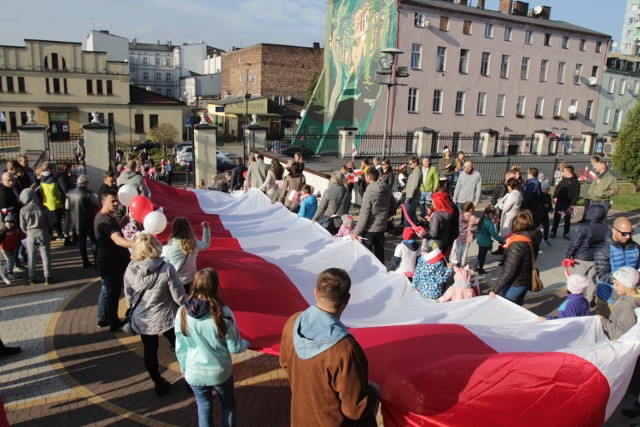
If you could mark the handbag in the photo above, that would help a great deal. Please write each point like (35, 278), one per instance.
(536, 282)
(126, 325)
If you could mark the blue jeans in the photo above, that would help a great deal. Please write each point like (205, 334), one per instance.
(82, 245)
(108, 299)
(411, 206)
(515, 294)
(204, 399)
(425, 197)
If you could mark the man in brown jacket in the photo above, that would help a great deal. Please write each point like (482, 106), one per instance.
(327, 369)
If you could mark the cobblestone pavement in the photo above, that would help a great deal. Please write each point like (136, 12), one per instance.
(72, 373)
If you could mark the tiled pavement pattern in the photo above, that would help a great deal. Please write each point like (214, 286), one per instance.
(71, 373)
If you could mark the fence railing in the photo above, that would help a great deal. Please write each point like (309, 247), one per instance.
(63, 149)
(9, 146)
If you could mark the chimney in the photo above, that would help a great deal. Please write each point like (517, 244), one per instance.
(461, 2)
(316, 45)
(520, 8)
(506, 6)
(546, 12)
(481, 4)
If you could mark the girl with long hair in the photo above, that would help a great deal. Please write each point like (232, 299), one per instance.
(181, 250)
(206, 335)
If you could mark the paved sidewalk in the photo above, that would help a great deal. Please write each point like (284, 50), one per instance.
(72, 373)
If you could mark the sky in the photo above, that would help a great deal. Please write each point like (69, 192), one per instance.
(227, 23)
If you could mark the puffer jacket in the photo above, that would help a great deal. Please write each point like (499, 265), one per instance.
(589, 235)
(518, 269)
(157, 310)
(130, 177)
(374, 212)
(335, 200)
(440, 224)
(185, 264)
(35, 219)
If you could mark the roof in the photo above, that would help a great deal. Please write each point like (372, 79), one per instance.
(141, 96)
(150, 46)
(495, 14)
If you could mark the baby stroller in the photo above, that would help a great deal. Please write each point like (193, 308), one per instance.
(397, 200)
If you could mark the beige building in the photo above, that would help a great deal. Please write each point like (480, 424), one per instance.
(64, 84)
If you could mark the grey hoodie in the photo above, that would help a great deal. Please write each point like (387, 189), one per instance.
(35, 219)
(130, 177)
(316, 331)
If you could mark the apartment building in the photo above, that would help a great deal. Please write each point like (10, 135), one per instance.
(630, 29)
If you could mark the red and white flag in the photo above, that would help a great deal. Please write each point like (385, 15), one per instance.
(480, 361)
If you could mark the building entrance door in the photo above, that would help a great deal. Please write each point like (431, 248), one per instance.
(59, 126)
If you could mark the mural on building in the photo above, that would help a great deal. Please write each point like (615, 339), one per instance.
(347, 92)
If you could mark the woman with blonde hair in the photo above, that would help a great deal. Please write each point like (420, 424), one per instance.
(206, 335)
(154, 291)
(181, 250)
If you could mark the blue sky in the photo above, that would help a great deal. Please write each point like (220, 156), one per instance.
(226, 23)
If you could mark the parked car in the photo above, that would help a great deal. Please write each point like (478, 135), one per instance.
(223, 162)
(148, 144)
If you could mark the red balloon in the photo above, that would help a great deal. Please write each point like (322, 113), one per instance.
(139, 207)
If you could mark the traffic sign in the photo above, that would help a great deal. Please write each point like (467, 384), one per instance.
(187, 121)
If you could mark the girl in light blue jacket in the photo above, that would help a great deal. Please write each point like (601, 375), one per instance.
(181, 250)
(206, 335)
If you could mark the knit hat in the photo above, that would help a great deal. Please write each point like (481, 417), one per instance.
(577, 283)
(627, 276)
(347, 220)
(10, 218)
(408, 234)
(545, 185)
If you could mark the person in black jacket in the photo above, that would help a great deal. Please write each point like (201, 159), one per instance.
(532, 196)
(237, 175)
(583, 246)
(516, 276)
(565, 198)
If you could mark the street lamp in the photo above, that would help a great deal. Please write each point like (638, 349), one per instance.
(386, 69)
(247, 95)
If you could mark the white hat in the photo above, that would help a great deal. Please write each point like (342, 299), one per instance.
(627, 276)
(577, 283)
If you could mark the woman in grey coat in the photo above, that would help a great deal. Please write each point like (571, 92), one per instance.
(163, 294)
(334, 203)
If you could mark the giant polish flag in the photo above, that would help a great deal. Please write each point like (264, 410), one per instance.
(484, 362)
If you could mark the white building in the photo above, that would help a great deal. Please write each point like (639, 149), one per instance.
(630, 27)
(116, 47)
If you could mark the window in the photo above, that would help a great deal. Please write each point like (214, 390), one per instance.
(594, 71)
(528, 37)
(482, 104)
(416, 52)
(587, 113)
(484, 66)
(10, 84)
(466, 27)
(623, 86)
(420, 20)
(54, 61)
(612, 85)
(139, 123)
(565, 42)
(444, 23)
(145, 60)
(616, 120)
(504, 67)
(557, 108)
(598, 47)
(145, 76)
(636, 86)
(460, 95)
(110, 119)
(21, 88)
(501, 102)
(158, 60)
(577, 74)
(547, 39)
(437, 101)
(169, 93)
(153, 121)
(56, 85)
(13, 122)
(441, 59)
(167, 62)
(89, 87)
(544, 64)
(413, 100)
(23, 117)
(520, 106)
(99, 90)
(158, 77)
(606, 115)
(583, 42)
(167, 77)
(574, 103)
(0, 84)
(488, 31)
(363, 22)
(464, 61)
(109, 87)
(46, 85)
(539, 106)
(65, 87)
(507, 33)
(524, 69)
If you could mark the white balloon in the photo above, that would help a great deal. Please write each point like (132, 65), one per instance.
(126, 193)
(155, 222)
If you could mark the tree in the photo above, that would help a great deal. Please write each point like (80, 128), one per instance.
(626, 157)
(165, 134)
(311, 87)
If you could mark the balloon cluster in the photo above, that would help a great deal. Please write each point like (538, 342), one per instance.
(141, 209)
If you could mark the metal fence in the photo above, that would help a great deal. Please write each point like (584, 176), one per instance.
(9, 146)
(373, 144)
(308, 145)
(63, 150)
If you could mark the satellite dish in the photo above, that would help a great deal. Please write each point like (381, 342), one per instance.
(592, 81)
(392, 51)
(288, 98)
(572, 109)
(537, 10)
(614, 45)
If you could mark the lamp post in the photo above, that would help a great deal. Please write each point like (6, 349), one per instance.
(386, 69)
(247, 95)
